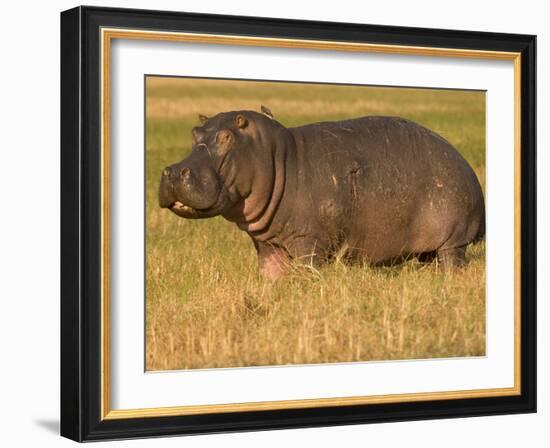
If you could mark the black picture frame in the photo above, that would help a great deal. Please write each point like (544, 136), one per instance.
(81, 210)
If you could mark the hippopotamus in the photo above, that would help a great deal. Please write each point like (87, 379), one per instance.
(375, 189)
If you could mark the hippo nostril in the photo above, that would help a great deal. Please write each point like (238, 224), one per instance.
(185, 172)
(166, 172)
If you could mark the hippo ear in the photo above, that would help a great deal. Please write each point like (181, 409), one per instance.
(266, 112)
(202, 118)
(241, 121)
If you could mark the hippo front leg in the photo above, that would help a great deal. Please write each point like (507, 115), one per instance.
(273, 261)
(308, 251)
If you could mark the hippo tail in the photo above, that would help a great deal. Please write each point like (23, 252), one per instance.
(481, 232)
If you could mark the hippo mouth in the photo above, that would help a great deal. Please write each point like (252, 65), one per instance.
(187, 211)
(182, 207)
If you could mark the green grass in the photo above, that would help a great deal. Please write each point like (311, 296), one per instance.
(206, 305)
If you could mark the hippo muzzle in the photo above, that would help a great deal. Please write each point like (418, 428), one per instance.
(191, 188)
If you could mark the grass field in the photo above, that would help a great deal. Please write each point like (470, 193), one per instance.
(205, 303)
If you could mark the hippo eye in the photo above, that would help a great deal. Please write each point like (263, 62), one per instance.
(224, 137)
(224, 141)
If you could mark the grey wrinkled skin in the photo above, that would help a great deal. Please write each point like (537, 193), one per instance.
(375, 189)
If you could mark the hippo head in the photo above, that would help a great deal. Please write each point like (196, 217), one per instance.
(217, 176)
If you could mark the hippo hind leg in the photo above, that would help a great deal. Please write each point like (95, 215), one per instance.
(427, 257)
(451, 257)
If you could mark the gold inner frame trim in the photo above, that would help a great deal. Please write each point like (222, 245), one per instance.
(107, 35)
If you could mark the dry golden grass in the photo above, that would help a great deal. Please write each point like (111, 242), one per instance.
(205, 304)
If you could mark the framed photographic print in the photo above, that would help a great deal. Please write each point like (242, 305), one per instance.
(272, 223)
